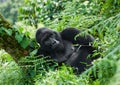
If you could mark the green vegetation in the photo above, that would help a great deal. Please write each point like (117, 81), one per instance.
(10, 72)
(10, 9)
(97, 17)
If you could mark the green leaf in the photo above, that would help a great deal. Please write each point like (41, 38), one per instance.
(8, 31)
(25, 42)
(6, 57)
(19, 37)
(21, 29)
(27, 33)
(34, 52)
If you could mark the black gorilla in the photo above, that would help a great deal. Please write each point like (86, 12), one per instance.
(60, 47)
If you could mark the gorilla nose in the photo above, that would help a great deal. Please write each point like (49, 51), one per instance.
(54, 41)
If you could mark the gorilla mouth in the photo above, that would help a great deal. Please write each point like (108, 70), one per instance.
(55, 45)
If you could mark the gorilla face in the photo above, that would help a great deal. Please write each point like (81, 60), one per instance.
(49, 39)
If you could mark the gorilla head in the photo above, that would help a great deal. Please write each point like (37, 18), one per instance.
(49, 40)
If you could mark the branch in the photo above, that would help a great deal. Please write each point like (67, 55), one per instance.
(4, 22)
(8, 41)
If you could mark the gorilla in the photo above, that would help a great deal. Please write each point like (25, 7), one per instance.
(64, 48)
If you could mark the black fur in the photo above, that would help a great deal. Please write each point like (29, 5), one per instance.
(59, 46)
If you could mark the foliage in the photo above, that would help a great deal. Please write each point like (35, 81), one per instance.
(97, 17)
(63, 76)
(4, 22)
(115, 79)
(63, 12)
(36, 11)
(34, 66)
(23, 39)
(109, 7)
(85, 15)
(22, 34)
(10, 9)
(10, 72)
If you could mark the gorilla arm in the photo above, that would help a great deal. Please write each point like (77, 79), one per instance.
(70, 33)
(42, 52)
(80, 59)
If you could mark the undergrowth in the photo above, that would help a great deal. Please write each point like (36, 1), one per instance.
(10, 72)
(36, 70)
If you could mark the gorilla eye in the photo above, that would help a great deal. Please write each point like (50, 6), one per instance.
(52, 35)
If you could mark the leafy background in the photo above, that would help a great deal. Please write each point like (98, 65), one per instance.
(101, 18)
